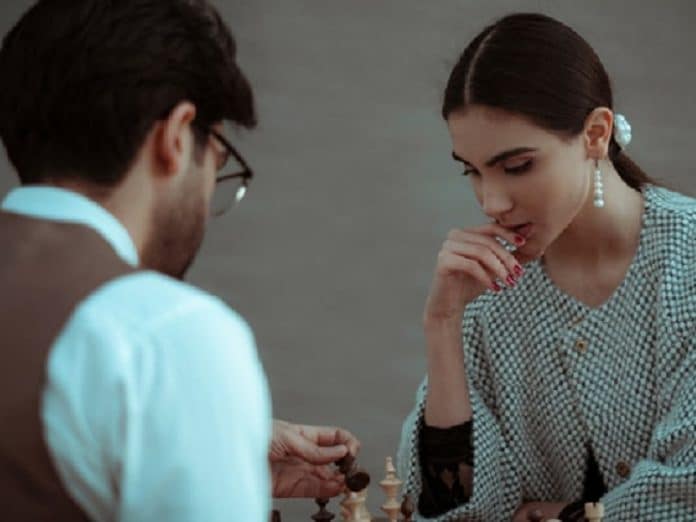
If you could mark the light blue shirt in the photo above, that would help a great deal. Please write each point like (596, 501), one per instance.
(156, 407)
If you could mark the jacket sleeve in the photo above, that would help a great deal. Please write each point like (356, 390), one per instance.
(496, 484)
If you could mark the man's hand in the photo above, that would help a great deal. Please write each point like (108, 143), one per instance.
(294, 478)
(545, 509)
(301, 456)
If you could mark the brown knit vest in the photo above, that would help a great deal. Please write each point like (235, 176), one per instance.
(46, 270)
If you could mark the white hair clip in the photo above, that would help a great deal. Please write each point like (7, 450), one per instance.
(622, 130)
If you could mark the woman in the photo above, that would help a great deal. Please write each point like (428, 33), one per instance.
(573, 374)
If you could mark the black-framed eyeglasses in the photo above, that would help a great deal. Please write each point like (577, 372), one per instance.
(228, 192)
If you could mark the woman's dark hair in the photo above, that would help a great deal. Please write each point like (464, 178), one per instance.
(535, 66)
(83, 81)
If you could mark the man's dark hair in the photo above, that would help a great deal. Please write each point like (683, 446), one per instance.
(83, 81)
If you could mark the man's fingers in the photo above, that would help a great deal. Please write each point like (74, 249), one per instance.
(311, 452)
(330, 489)
(326, 454)
(348, 440)
(293, 478)
(325, 472)
(332, 436)
(330, 482)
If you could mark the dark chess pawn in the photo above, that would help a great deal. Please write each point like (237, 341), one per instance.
(357, 478)
(322, 515)
(407, 508)
(346, 463)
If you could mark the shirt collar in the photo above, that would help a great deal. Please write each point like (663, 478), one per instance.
(58, 204)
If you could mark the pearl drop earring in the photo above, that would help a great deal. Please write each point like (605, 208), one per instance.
(598, 186)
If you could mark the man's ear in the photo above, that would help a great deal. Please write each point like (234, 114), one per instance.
(174, 140)
(599, 126)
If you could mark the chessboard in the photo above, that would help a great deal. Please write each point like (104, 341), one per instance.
(353, 505)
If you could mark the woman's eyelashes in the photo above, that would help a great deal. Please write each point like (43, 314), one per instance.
(513, 168)
(519, 167)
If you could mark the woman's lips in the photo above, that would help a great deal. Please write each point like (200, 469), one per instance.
(523, 230)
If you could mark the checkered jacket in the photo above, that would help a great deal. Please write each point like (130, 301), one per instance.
(549, 375)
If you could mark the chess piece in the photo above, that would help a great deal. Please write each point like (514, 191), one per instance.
(407, 508)
(350, 507)
(346, 464)
(345, 513)
(390, 485)
(362, 512)
(323, 515)
(357, 479)
(275, 516)
(594, 511)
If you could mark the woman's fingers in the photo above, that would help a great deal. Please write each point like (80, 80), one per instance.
(495, 230)
(485, 257)
(469, 262)
(498, 261)
(505, 266)
(455, 263)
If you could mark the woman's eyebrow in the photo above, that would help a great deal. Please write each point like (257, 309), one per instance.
(498, 157)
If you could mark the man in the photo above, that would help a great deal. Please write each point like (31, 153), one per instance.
(125, 393)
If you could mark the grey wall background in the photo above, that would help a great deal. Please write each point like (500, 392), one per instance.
(330, 257)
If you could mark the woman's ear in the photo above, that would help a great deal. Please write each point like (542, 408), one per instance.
(599, 126)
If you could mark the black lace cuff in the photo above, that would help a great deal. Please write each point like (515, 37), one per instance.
(574, 512)
(447, 459)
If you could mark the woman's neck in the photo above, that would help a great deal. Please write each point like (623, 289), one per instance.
(602, 235)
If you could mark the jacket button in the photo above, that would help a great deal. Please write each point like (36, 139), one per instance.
(623, 470)
(581, 345)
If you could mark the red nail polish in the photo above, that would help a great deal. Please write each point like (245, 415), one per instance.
(518, 270)
(510, 281)
(496, 288)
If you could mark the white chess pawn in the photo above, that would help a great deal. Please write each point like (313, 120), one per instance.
(354, 507)
(363, 513)
(390, 485)
(349, 507)
(594, 512)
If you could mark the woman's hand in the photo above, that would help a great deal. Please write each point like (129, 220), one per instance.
(544, 511)
(469, 262)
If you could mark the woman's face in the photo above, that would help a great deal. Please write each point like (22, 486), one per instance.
(524, 177)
